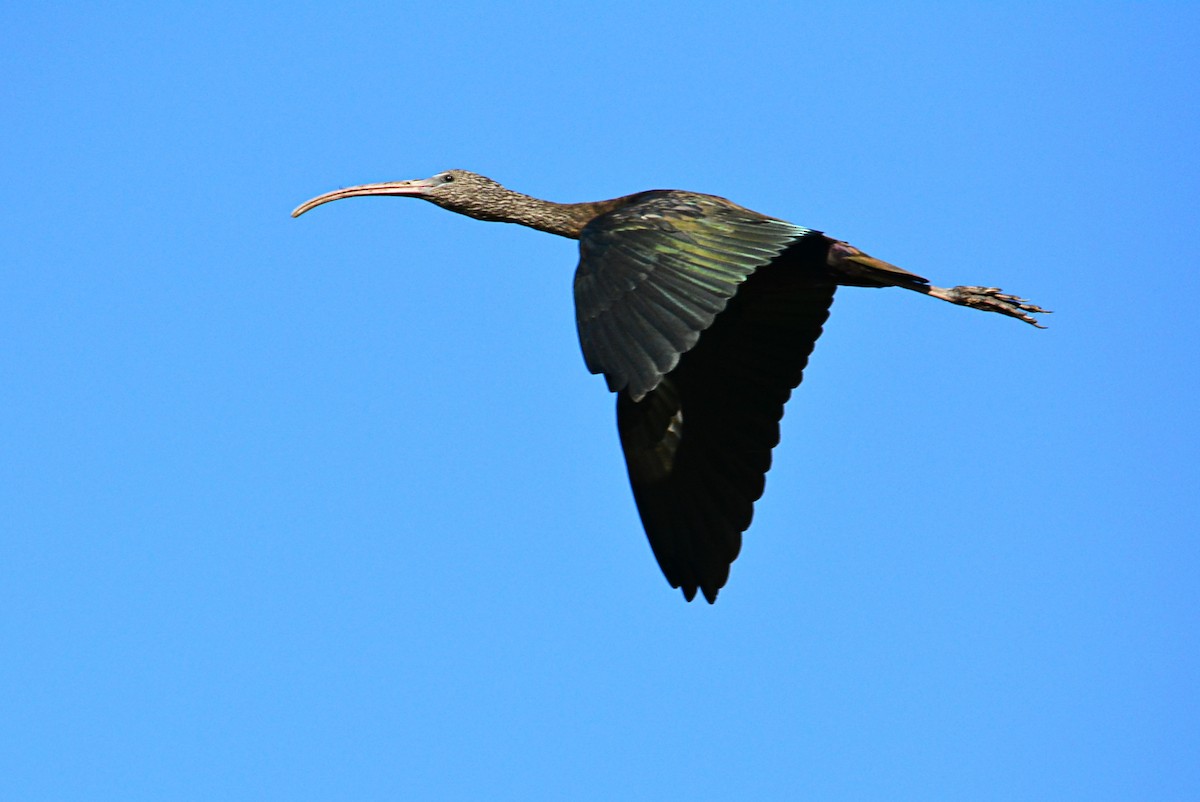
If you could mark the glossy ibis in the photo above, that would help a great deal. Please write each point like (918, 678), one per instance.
(701, 315)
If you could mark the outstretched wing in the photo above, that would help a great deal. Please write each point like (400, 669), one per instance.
(656, 272)
(698, 446)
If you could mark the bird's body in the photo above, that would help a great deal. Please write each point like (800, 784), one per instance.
(701, 316)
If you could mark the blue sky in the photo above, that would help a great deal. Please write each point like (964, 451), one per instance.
(329, 508)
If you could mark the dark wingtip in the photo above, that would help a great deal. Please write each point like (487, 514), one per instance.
(689, 592)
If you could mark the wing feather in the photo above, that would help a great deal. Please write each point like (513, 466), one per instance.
(698, 445)
(695, 250)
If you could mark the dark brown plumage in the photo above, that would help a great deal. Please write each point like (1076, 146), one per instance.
(701, 315)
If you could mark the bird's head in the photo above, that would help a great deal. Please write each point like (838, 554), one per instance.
(457, 190)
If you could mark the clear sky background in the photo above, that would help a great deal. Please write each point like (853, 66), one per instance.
(330, 508)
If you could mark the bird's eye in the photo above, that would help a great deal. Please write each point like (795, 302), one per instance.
(447, 178)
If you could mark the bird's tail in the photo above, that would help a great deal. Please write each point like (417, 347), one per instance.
(855, 268)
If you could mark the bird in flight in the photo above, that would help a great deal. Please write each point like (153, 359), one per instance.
(701, 314)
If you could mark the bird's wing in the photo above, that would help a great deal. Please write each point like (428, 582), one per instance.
(654, 273)
(698, 445)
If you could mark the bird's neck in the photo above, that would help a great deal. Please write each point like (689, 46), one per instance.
(563, 219)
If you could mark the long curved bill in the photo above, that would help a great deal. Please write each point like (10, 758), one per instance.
(414, 188)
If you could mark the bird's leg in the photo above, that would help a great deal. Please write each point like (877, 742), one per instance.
(855, 268)
(989, 299)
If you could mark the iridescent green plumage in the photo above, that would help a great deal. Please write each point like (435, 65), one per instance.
(698, 415)
(698, 446)
(701, 315)
(653, 275)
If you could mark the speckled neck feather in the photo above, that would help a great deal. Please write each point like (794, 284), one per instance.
(499, 204)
